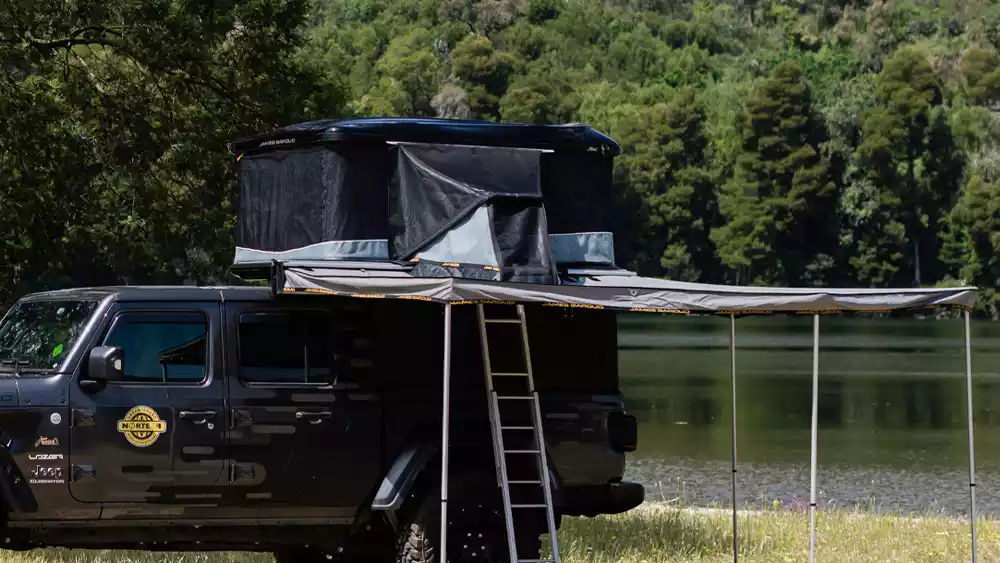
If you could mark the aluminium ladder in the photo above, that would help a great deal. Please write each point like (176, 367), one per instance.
(517, 389)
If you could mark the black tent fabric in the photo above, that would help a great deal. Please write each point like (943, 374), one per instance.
(577, 190)
(435, 189)
(296, 198)
(522, 239)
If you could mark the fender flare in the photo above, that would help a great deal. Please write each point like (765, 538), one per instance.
(408, 466)
(398, 481)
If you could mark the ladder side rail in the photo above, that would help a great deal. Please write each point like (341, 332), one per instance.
(495, 424)
(540, 439)
(498, 447)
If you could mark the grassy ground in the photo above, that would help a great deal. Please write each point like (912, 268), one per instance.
(659, 534)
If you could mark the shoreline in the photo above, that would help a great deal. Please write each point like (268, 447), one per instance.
(660, 507)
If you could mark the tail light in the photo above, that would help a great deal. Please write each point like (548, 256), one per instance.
(623, 431)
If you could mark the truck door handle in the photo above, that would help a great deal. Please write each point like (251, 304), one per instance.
(314, 417)
(197, 416)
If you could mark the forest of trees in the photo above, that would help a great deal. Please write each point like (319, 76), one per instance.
(782, 142)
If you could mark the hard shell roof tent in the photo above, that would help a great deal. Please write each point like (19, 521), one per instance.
(489, 201)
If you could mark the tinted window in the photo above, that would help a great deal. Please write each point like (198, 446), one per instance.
(38, 334)
(286, 347)
(162, 347)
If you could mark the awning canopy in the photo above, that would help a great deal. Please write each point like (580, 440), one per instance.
(613, 290)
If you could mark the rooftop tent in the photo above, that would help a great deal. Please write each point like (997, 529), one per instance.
(458, 198)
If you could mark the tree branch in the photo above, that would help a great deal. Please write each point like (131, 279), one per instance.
(90, 35)
(70, 43)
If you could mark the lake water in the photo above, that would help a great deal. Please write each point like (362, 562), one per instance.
(892, 415)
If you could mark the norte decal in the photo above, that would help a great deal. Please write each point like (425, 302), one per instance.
(46, 441)
(142, 426)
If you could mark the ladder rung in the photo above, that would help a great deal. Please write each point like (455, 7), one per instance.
(524, 482)
(522, 451)
(515, 398)
(529, 506)
(505, 321)
(510, 374)
(517, 428)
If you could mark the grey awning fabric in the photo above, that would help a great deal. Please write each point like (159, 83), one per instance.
(626, 293)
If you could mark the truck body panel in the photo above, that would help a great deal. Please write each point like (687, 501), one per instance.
(242, 409)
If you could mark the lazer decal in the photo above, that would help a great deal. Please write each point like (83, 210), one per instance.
(142, 426)
(46, 441)
(44, 457)
(55, 418)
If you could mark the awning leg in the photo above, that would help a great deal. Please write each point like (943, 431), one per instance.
(972, 446)
(445, 422)
(732, 359)
(813, 448)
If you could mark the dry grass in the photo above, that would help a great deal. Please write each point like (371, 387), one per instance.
(660, 534)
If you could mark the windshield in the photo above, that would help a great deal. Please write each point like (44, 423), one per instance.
(35, 335)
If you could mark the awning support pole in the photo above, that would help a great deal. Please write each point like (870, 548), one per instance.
(445, 424)
(972, 446)
(813, 448)
(732, 359)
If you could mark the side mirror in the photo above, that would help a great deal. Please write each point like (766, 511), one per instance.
(105, 364)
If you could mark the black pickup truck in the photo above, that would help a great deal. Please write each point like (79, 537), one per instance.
(198, 419)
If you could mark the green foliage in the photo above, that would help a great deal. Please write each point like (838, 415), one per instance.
(981, 70)
(791, 142)
(541, 11)
(777, 205)
(483, 72)
(115, 122)
(976, 219)
(543, 96)
(408, 77)
(910, 159)
(666, 162)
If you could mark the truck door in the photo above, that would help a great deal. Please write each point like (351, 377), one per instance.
(157, 436)
(305, 429)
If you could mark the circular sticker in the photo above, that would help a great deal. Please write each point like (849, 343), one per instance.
(55, 418)
(142, 426)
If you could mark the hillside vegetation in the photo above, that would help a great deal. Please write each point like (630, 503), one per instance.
(819, 142)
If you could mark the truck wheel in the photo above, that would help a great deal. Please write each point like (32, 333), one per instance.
(477, 531)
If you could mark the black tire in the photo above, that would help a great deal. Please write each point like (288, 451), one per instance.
(477, 531)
